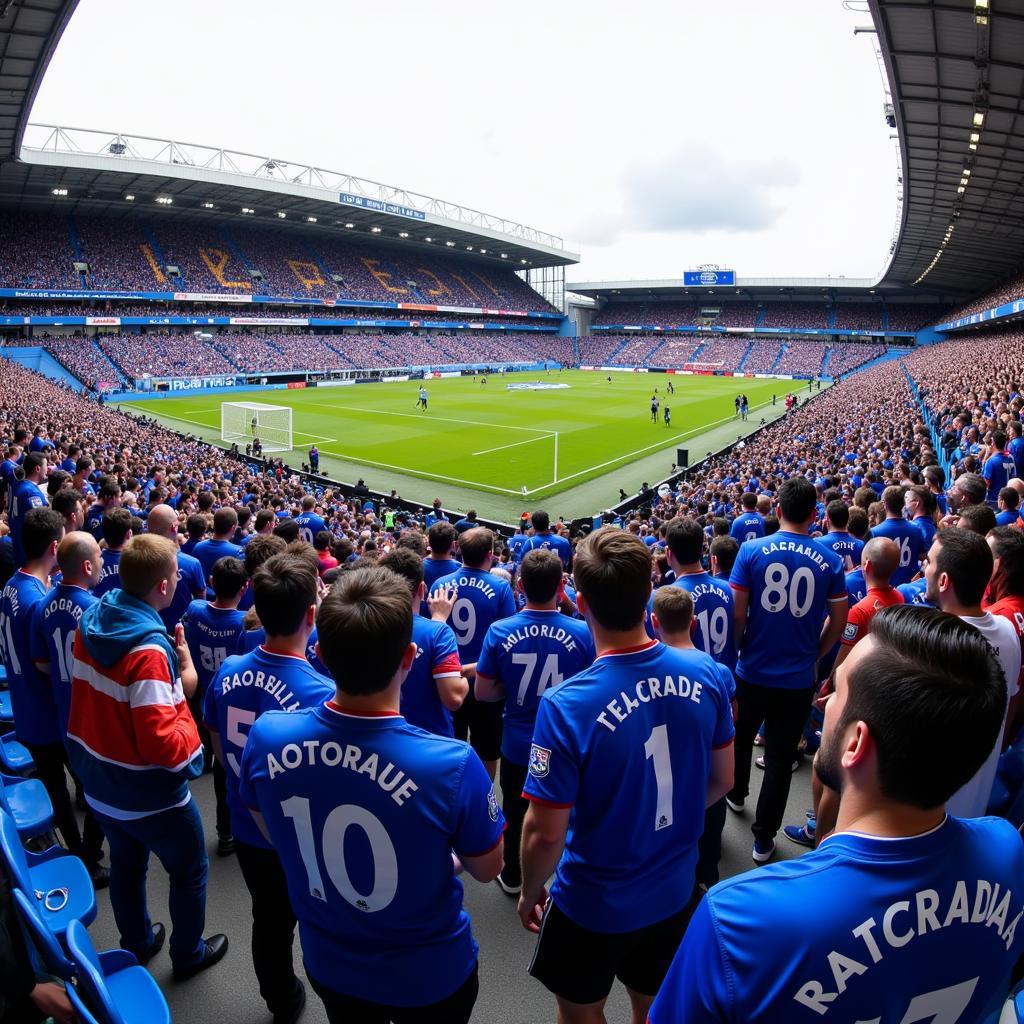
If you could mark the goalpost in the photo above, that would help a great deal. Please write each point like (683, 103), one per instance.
(244, 421)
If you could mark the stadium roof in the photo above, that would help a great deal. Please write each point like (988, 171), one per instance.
(956, 73)
(29, 32)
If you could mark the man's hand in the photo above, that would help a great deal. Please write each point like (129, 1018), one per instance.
(52, 1001)
(187, 671)
(531, 914)
(441, 603)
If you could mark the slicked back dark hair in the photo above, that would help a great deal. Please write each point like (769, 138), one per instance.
(930, 684)
(797, 499)
(838, 514)
(684, 537)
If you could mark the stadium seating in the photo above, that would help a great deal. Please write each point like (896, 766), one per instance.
(803, 315)
(848, 356)
(722, 353)
(764, 353)
(858, 316)
(802, 358)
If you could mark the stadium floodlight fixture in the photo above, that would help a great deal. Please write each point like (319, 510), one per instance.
(311, 220)
(522, 261)
(281, 214)
(207, 206)
(428, 239)
(349, 224)
(449, 244)
(975, 137)
(469, 248)
(483, 252)
(165, 200)
(248, 209)
(403, 234)
(59, 191)
(130, 198)
(504, 255)
(967, 172)
(960, 191)
(375, 229)
(979, 119)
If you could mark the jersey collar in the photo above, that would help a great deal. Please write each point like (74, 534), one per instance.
(275, 654)
(339, 709)
(616, 652)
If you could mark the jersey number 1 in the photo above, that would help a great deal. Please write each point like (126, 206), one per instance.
(656, 749)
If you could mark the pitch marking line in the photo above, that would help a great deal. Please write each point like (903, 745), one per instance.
(428, 418)
(515, 444)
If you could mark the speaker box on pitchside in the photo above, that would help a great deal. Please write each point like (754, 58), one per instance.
(682, 457)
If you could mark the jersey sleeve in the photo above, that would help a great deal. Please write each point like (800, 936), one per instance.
(252, 769)
(725, 730)
(837, 581)
(553, 776)
(740, 578)
(37, 648)
(506, 603)
(728, 681)
(210, 708)
(696, 989)
(445, 659)
(854, 628)
(487, 661)
(479, 823)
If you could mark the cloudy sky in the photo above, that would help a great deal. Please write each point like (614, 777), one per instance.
(652, 136)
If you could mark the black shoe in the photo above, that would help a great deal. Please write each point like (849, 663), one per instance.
(99, 875)
(225, 846)
(214, 949)
(291, 1015)
(159, 934)
(510, 885)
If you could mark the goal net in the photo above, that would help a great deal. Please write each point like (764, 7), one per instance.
(242, 422)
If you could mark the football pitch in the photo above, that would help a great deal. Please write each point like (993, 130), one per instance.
(489, 440)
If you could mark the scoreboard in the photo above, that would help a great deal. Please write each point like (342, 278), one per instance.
(709, 278)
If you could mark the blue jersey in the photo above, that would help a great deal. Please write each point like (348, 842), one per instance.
(386, 905)
(714, 630)
(482, 599)
(437, 656)
(243, 687)
(997, 471)
(94, 520)
(53, 633)
(551, 542)
(856, 587)
(747, 526)
(250, 639)
(528, 653)
(914, 593)
(1016, 450)
(25, 496)
(844, 544)
(31, 696)
(910, 540)
(517, 546)
(310, 524)
(641, 722)
(209, 552)
(922, 929)
(790, 579)
(1007, 517)
(212, 635)
(927, 527)
(110, 573)
(433, 570)
(191, 584)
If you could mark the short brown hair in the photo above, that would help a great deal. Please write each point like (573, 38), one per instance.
(224, 520)
(283, 587)
(441, 536)
(674, 608)
(363, 629)
(145, 561)
(475, 545)
(613, 573)
(259, 549)
(405, 563)
(541, 573)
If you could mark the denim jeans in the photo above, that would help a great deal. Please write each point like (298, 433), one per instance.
(176, 837)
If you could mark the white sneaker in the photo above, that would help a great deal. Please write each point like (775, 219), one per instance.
(509, 890)
(763, 852)
(734, 805)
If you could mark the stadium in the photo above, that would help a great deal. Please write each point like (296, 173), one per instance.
(239, 347)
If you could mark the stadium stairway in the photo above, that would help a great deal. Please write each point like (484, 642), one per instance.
(156, 249)
(622, 345)
(696, 353)
(121, 377)
(76, 247)
(759, 319)
(341, 352)
(319, 261)
(885, 317)
(650, 360)
(746, 356)
(260, 287)
(824, 363)
(778, 359)
(832, 316)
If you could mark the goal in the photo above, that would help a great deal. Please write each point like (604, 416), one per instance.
(244, 421)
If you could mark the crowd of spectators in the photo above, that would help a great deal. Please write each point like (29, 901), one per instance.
(802, 315)
(737, 314)
(858, 316)
(764, 352)
(164, 355)
(802, 357)
(909, 316)
(722, 353)
(82, 358)
(675, 351)
(1012, 288)
(848, 355)
(669, 313)
(116, 254)
(36, 252)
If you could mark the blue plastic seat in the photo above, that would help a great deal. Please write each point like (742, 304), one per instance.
(6, 711)
(28, 803)
(14, 756)
(43, 941)
(116, 989)
(82, 1014)
(48, 873)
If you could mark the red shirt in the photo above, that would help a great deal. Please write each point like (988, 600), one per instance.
(1012, 608)
(327, 561)
(858, 622)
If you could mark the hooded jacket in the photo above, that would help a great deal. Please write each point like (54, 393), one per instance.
(131, 737)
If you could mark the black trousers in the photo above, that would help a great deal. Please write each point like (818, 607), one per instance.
(513, 806)
(51, 760)
(709, 847)
(784, 713)
(273, 926)
(220, 790)
(455, 1009)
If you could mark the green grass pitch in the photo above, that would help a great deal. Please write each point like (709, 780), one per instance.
(486, 437)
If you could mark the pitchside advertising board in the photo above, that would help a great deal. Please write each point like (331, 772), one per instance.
(708, 278)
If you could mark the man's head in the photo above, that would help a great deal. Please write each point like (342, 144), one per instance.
(229, 578)
(797, 500)
(1009, 499)
(117, 527)
(163, 522)
(879, 560)
(477, 548)
(541, 577)
(407, 564)
(259, 549)
(673, 614)
(225, 522)
(748, 501)
(838, 515)
(1007, 546)
(41, 532)
(978, 519)
(969, 489)
(723, 555)
(613, 579)
(196, 526)
(34, 465)
(79, 560)
(364, 631)
(441, 537)
(957, 570)
(892, 499)
(684, 539)
(69, 505)
(919, 501)
(284, 594)
(149, 569)
(109, 493)
(265, 520)
(919, 684)
(541, 521)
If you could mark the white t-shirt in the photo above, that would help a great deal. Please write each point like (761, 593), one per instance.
(971, 800)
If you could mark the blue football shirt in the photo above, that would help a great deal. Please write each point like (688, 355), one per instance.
(212, 635)
(714, 630)
(856, 587)
(914, 593)
(482, 599)
(243, 688)
(209, 552)
(528, 653)
(191, 585)
(433, 570)
(927, 527)
(364, 812)
(250, 639)
(844, 544)
(551, 542)
(922, 930)
(110, 573)
(31, 697)
(53, 633)
(999, 468)
(790, 579)
(747, 526)
(310, 524)
(642, 723)
(25, 496)
(910, 540)
(437, 656)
